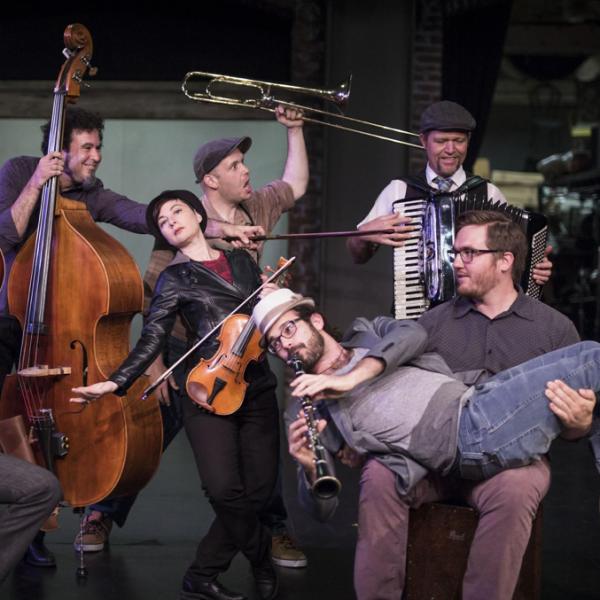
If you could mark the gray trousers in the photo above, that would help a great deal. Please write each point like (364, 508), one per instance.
(28, 494)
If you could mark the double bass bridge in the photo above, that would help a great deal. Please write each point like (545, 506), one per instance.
(44, 371)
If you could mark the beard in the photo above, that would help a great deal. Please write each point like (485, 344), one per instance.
(476, 287)
(89, 182)
(311, 352)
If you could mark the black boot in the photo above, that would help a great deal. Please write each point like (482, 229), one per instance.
(38, 555)
(267, 582)
(207, 590)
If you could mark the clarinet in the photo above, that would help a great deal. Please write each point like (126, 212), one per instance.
(326, 485)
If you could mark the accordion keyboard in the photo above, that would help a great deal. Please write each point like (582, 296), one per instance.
(537, 248)
(409, 292)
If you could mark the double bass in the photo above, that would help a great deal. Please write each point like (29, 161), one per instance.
(74, 289)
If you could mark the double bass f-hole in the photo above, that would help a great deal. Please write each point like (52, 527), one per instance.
(84, 360)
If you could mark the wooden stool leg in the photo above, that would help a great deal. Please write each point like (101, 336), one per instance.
(439, 540)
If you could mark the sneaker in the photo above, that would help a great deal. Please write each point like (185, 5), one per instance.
(285, 553)
(96, 529)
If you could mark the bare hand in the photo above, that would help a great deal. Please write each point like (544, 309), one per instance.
(403, 230)
(243, 235)
(542, 271)
(269, 288)
(290, 117)
(51, 165)
(93, 392)
(321, 386)
(574, 408)
(350, 457)
(155, 370)
(199, 394)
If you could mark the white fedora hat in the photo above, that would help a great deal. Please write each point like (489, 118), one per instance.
(272, 306)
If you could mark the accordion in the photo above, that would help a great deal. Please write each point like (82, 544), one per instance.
(423, 273)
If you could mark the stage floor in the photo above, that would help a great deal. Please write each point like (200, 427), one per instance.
(147, 558)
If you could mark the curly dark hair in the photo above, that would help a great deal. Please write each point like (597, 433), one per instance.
(76, 119)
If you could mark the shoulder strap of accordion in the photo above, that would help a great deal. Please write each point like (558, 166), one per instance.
(471, 183)
(417, 181)
(417, 187)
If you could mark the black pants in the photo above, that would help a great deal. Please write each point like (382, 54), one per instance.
(237, 458)
(273, 514)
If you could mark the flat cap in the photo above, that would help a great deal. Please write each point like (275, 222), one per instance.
(209, 155)
(446, 116)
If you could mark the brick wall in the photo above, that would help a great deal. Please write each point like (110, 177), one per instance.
(426, 66)
(308, 66)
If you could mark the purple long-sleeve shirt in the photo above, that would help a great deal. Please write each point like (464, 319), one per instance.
(104, 205)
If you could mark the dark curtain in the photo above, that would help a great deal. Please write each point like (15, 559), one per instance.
(474, 33)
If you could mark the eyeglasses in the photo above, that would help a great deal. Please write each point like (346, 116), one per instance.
(467, 254)
(287, 331)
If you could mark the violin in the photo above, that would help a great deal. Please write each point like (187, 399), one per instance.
(219, 381)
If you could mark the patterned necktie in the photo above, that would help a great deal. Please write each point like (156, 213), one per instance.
(444, 183)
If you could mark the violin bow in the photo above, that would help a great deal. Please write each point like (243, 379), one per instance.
(288, 263)
(308, 236)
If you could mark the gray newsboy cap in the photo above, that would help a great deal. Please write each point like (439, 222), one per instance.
(209, 155)
(446, 116)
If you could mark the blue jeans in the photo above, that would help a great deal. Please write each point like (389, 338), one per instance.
(507, 422)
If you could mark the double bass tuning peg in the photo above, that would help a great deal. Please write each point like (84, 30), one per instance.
(92, 71)
(79, 79)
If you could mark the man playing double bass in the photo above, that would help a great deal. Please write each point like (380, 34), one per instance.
(21, 181)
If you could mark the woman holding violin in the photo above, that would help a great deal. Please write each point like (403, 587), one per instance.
(236, 455)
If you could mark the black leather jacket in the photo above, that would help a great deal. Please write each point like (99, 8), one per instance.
(202, 298)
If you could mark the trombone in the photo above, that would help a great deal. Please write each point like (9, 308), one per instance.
(262, 95)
